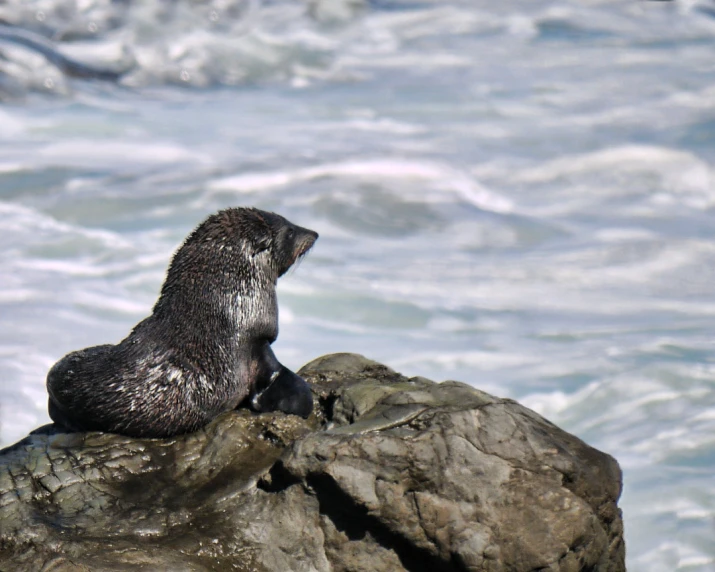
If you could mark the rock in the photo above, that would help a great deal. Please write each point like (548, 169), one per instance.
(388, 474)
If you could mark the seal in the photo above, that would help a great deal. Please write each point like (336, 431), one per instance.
(206, 347)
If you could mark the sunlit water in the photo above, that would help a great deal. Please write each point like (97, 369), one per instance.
(519, 195)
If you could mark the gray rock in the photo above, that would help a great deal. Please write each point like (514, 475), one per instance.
(389, 474)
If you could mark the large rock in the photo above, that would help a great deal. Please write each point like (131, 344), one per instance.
(389, 474)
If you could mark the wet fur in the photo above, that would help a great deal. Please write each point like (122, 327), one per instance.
(205, 348)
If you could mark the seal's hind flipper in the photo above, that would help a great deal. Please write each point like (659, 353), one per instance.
(288, 393)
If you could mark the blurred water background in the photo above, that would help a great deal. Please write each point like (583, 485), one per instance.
(515, 194)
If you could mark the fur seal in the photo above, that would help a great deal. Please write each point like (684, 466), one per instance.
(206, 347)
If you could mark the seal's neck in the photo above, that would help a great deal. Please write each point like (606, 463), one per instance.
(228, 295)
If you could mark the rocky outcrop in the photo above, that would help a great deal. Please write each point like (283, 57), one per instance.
(388, 474)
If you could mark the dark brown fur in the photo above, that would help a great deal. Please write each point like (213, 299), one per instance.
(204, 349)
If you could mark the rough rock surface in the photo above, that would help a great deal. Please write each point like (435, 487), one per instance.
(389, 474)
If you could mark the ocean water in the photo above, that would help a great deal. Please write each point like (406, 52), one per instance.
(519, 195)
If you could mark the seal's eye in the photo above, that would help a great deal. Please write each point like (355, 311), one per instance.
(291, 233)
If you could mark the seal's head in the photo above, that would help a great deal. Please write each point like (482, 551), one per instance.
(237, 247)
(288, 241)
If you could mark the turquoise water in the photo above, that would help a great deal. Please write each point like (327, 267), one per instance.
(519, 196)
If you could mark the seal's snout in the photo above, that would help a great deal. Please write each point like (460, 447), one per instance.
(303, 241)
(306, 240)
(290, 244)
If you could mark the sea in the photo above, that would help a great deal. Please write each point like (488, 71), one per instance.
(519, 195)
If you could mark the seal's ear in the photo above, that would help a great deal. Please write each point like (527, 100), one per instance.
(258, 232)
(262, 243)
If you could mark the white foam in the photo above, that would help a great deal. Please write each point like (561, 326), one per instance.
(14, 295)
(550, 405)
(441, 176)
(10, 127)
(626, 157)
(67, 267)
(474, 359)
(17, 218)
(10, 167)
(383, 125)
(90, 153)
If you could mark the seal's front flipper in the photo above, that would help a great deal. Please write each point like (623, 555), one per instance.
(287, 392)
(278, 388)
